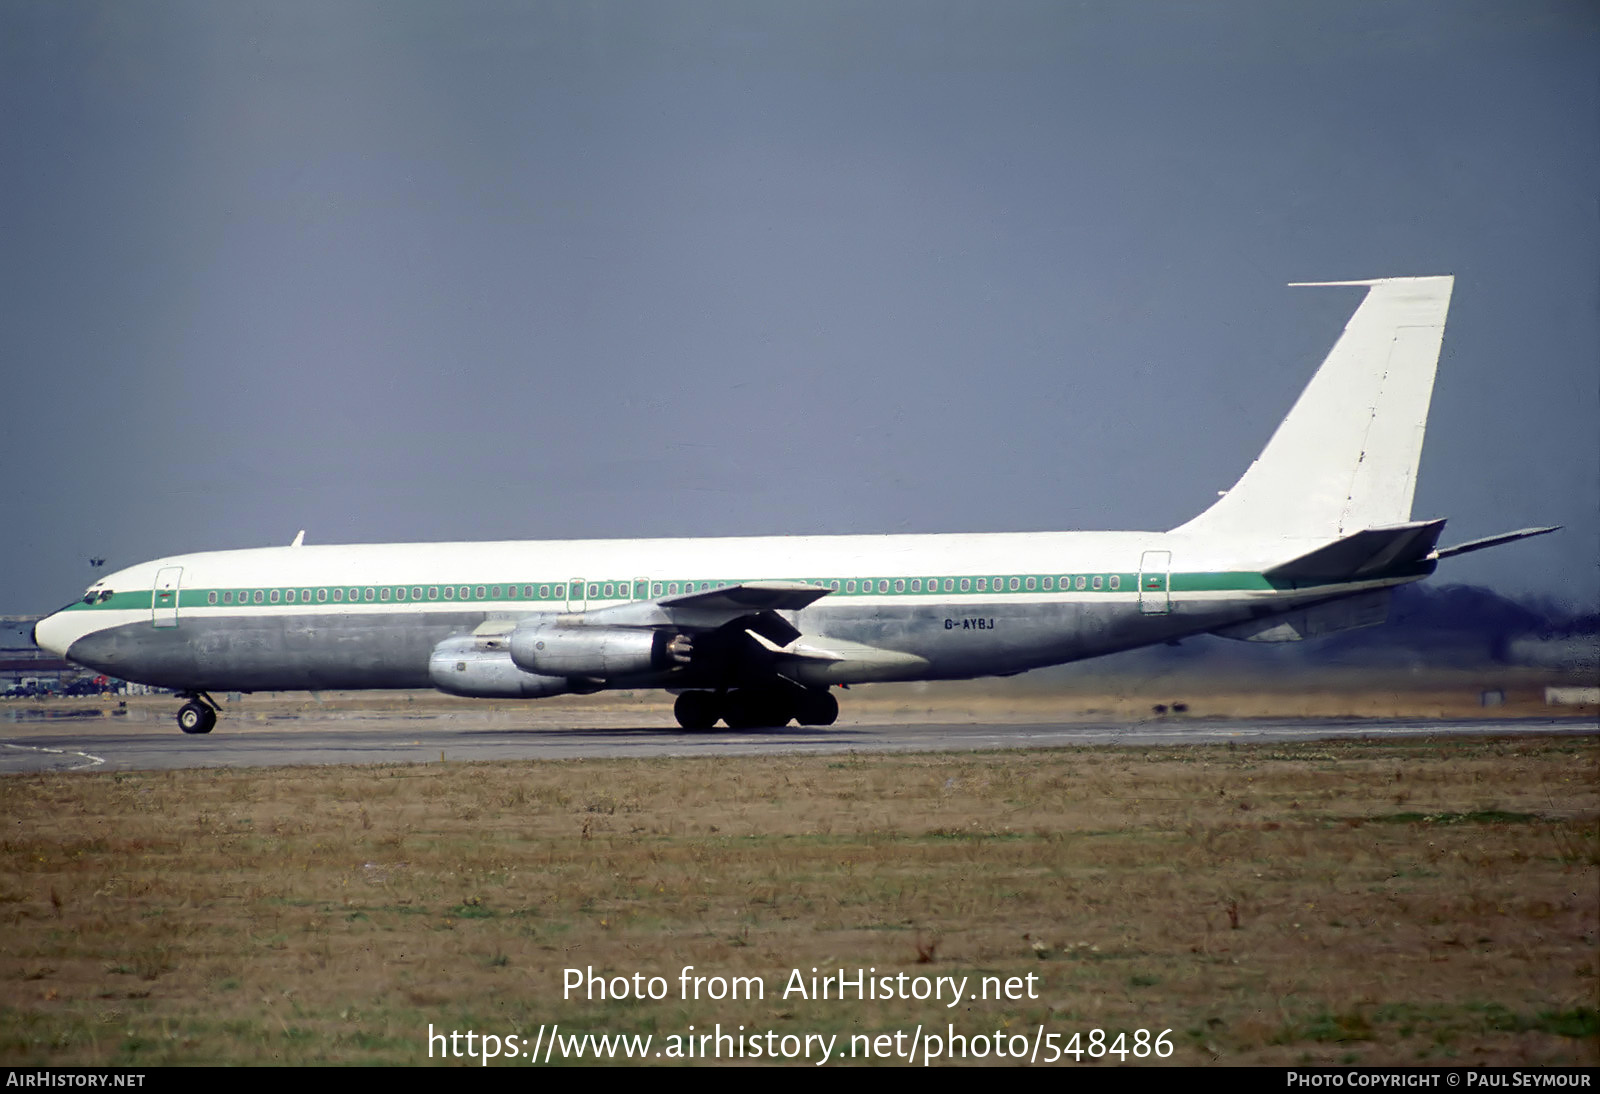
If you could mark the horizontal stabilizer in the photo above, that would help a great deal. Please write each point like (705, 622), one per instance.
(1493, 541)
(1366, 553)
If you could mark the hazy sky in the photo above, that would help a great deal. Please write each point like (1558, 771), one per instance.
(532, 270)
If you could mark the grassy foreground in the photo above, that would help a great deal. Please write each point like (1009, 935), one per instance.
(1419, 901)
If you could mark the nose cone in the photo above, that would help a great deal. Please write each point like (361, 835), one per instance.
(55, 633)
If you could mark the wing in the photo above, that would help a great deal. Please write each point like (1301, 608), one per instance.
(739, 635)
(749, 596)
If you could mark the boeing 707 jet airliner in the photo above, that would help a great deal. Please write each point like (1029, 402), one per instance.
(757, 631)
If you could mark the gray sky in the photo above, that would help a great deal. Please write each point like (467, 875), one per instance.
(536, 270)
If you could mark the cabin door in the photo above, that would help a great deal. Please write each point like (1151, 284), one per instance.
(164, 597)
(1155, 577)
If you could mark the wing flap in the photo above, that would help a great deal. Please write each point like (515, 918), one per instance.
(794, 648)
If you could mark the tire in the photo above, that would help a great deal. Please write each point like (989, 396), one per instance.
(196, 718)
(818, 708)
(696, 710)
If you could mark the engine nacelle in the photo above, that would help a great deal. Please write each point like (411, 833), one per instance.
(469, 666)
(596, 652)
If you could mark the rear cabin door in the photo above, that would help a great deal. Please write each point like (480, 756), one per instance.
(164, 597)
(1155, 576)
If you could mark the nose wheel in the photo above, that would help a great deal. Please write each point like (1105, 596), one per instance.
(198, 715)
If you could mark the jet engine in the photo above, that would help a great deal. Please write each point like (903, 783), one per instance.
(597, 652)
(484, 670)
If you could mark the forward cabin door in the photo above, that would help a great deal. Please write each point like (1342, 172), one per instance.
(1155, 577)
(164, 597)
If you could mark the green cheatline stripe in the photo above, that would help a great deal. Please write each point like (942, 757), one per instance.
(543, 594)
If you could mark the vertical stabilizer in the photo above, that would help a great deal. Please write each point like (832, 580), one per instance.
(1346, 456)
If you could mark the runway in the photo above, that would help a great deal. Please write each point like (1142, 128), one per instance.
(101, 743)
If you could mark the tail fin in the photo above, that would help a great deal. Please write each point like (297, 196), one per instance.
(1346, 457)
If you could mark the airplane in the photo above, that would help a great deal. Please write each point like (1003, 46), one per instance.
(756, 632)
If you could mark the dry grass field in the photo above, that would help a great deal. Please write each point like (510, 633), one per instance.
(1416, 901)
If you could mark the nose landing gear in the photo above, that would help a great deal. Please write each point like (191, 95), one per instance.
(199, 714)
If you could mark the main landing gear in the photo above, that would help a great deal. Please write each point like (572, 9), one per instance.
(756, 708)
(199, 714)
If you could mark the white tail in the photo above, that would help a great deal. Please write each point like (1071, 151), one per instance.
(1346, 456)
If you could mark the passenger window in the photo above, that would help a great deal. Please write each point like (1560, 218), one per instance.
(449, 592)
(1015, 584)
(983, 584)
(466, 593)
(383, 593)
(1049, 583)
(258, 597)
(369, 592)
(211, 598)
(655, 589)
(849, 586)
(916, 584)
(355, 594)
(966, 584)
(834, 584)
(289, 596)
(433, 592)
(1097, 581)
(1116, 582)
(610, 590)
(594, 591)
(1030, 584)
(899, 585)
(527, 590)
(416, 592)
(338, 596)
(227, 597)
(560, 591)
(544, 591)
(1080, 583)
